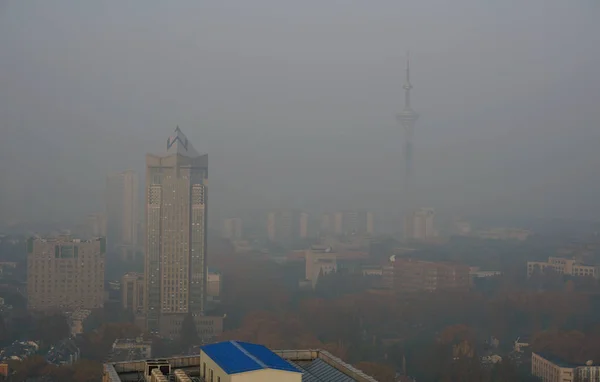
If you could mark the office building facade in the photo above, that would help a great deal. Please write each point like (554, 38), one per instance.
(65, 274)
(176, 216)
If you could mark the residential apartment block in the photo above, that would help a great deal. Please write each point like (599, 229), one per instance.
(65, 274)
(349, 222)
(564, 266)
(285, 226)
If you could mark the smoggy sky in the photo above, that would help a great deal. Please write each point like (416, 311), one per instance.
(295, 102)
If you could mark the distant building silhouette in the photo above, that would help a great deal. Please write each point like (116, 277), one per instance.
(348, 222)
(122, 216)
(232, 229)
(285, 226)
(419, 224)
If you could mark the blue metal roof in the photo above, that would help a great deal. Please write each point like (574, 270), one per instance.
(239, 357)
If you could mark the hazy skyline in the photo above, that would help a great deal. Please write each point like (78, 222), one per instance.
(295, 102)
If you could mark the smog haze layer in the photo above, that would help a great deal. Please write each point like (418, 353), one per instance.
(295, 102)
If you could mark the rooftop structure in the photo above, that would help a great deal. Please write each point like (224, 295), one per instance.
(240, 361)
(552, 369)
(65, 352)
(127, 349)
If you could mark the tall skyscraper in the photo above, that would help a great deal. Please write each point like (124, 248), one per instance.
(176, 212)
(122, 215)
(65, 274)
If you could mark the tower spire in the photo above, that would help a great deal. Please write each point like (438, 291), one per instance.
(407, 85)
(407, 119)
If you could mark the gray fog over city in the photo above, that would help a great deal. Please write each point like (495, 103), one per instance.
(296, 102)
(300, 191)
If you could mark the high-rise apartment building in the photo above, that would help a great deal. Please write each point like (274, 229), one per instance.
(232, 229)
(286, 226)
(176, 212)
(122, 215)
(419, 224)
(132, 292)
(349, 222)
(65, 274)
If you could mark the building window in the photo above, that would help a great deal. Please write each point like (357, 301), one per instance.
(211, 376)
(204, 370)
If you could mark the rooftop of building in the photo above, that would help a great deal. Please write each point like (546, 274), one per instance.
(315, 365)
(138, 341)
(565, 364)
(238, 357)
(65, 239)
(63, 352)
(179, 144)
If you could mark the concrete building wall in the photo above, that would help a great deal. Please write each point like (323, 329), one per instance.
(212, 372)
(549, 371)
(132, 292)
(267, 375)
(64, 274)
(213, 287)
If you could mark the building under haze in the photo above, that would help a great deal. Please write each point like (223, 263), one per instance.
(419, 225)
(232, 229)
(286, 226)
(122, 214)
(65, 274)
(408, 275)
(175, 262)
(348, 222)
(132, 292)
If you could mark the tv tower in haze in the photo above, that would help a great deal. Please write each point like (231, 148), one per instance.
(407, 118)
